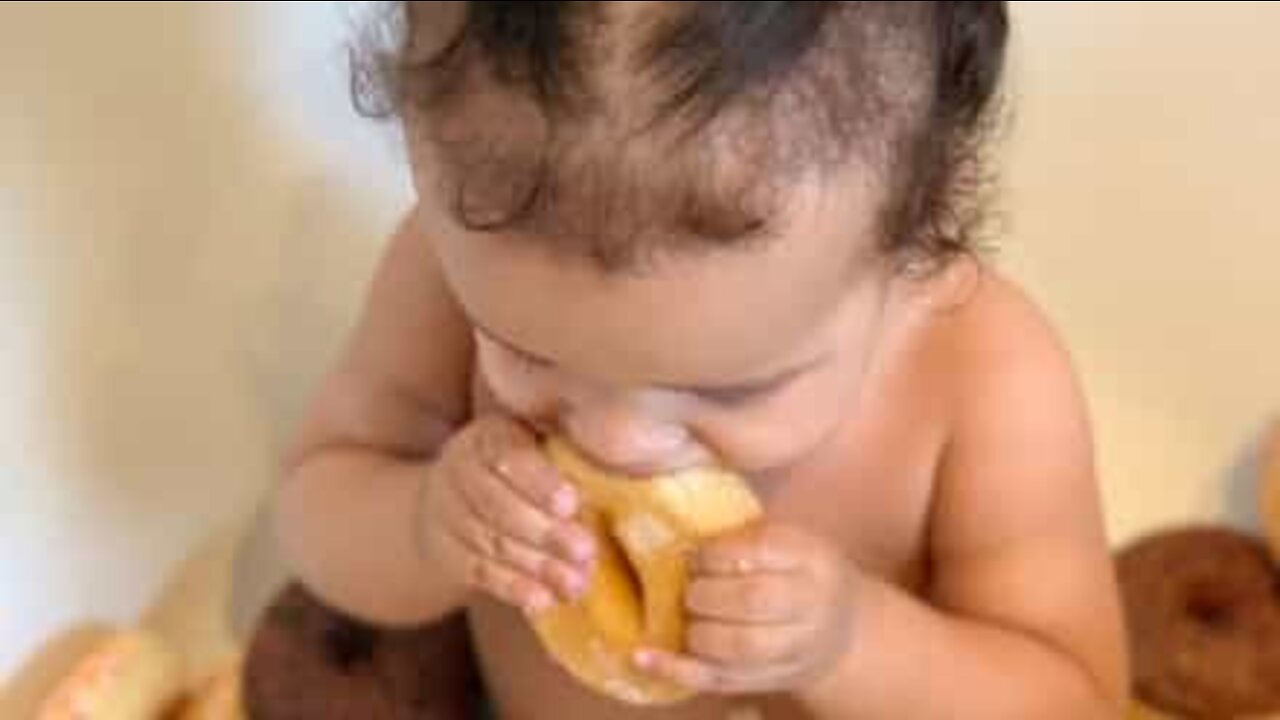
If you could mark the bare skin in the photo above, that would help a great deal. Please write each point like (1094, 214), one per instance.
(934, 543)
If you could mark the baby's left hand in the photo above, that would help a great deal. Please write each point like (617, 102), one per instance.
(768, 610)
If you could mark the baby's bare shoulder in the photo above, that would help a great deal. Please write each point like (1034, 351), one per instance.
(984, 321)
(1017, 505)
(985, 344)
(1019, 443)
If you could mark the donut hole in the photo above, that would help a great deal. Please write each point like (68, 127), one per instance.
(616, 603)
(630, 575)
(348, 644)
(1208, 607)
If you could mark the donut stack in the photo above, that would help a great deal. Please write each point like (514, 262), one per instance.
(134, 674)
(1202, 605)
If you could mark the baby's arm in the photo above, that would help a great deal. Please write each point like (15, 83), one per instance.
(1023, 619)
(352, 482)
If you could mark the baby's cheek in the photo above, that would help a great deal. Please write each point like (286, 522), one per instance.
(518, 389)
(774, 434)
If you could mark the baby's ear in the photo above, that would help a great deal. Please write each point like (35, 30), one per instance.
(971, 42)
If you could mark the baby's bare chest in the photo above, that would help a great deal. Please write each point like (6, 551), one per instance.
(871, 495)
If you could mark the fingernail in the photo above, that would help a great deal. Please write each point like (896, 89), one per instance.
(571, 591)
(581, 549)
(564, 502)
(538, 602)
(644, 658)
(577, 584)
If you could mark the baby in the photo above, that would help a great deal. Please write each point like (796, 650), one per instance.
(678, 232)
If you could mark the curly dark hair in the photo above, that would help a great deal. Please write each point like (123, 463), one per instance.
(614, 131)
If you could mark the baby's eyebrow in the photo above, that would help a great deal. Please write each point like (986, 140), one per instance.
(746, 387)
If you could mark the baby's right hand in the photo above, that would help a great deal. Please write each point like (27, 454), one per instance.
(497, 517)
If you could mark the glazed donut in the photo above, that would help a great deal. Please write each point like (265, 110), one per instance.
(1203, 622)
(1269, 479)
(218, 698)
(1138, 711)
(309, 662)
(130, 675)
(644, 529)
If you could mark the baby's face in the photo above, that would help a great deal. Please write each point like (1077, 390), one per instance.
(753, 355)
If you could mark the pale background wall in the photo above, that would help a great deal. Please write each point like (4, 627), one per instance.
(1143, 201)
(188, 211)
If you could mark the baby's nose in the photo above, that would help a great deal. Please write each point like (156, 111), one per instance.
(627, 442)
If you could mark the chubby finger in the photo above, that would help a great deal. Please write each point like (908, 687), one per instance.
(754, 549)
(706, 677)
(758, 598)
(490, 498)
(679, 669)
(744, 645)
(508, 585)
(512, 453)
(484, 541)
(479, 572)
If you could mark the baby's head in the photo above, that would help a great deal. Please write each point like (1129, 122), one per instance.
(674, 224)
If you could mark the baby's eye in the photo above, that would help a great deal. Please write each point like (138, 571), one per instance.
(737, 396)
(528, 361)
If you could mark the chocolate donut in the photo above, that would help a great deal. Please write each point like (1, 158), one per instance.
(309, 662)
(1269, 486)
(1203, 613)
